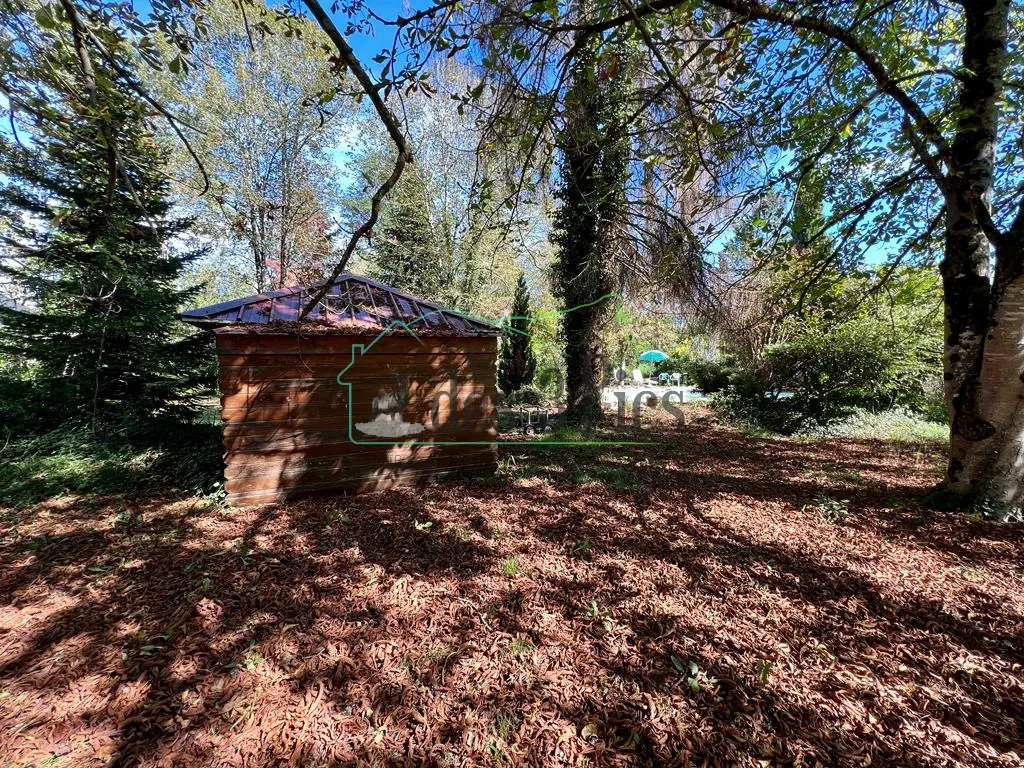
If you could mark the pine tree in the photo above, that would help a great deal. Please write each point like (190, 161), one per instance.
(516, 361)
(407, 252)
(92, 250)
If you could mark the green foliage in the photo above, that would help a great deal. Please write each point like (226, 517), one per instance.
(407, 254)
(815, 379)
(581, 549)
(637, 326)
(185, 456)
(710, 375)
(898, 424)
(529, 396)
(678, 361)
(92, 248)
(516, 359)
(831, 510)
(866, 341)
(521, 646)
(268, 117)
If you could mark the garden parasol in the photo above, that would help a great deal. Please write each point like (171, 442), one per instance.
(653, 356)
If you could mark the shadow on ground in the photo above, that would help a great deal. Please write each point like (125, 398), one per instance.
(710, 598)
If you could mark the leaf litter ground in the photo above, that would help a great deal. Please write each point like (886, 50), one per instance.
(714, 599)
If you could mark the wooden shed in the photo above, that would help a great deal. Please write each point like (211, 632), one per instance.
(373, 389)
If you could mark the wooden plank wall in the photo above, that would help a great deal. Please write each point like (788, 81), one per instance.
(286, 418)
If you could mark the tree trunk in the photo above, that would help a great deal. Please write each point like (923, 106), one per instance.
(584, 357)
(987, 434)
(984, 348)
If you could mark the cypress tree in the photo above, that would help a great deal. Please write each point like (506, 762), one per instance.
(93, 250)
(516, 361)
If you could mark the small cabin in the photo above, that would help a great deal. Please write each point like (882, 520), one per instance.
(373, 389)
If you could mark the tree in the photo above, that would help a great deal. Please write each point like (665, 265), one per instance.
(595, 151)
(100, 331)
(516, 359)
(406, 253)
(265, 114)
(909, 109)
(472, 244)
(950, 149)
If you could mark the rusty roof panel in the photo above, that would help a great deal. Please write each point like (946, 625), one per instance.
(352, 300)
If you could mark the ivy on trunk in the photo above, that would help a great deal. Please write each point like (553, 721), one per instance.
(594, 165)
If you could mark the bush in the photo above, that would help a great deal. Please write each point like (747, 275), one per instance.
(930, 402)
(551, 382)
(710, 375)
(813, 380)
(528, 396)
(24, 407)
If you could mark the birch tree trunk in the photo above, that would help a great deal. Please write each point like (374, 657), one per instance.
(984, 349)
(986, 461)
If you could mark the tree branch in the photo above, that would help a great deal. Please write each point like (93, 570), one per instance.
(403, 155)
(172, 120)
(886, 83)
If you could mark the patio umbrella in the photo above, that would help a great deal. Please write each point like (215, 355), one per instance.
(653, 356)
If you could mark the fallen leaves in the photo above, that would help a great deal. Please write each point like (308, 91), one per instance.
(717, 617)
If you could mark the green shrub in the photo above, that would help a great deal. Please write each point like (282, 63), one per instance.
(551, 381)
(710, 375)
(816, 378)
(528, 396)
(23, 407)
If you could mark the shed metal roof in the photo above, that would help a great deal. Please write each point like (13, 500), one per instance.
(354, 305)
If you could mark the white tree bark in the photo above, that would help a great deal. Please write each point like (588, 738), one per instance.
(987, 462)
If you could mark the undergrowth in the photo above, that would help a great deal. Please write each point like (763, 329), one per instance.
(897, 425)
(74, 460)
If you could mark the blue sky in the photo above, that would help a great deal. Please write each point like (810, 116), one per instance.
(367, 46)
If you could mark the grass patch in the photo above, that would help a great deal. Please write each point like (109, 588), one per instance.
(521, 647)
(616, 478)
(897, 425)
(831, 510)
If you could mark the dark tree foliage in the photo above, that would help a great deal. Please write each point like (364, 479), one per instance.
(594, 148)
(516, 361)
(92, 255)
(407, 254)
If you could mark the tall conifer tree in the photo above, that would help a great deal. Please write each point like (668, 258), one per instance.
(90, 242)
(516, 360)
(407, 252)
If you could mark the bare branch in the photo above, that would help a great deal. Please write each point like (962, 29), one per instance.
(403, 155)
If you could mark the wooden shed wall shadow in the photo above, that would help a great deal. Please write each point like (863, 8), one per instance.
(290, 425)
